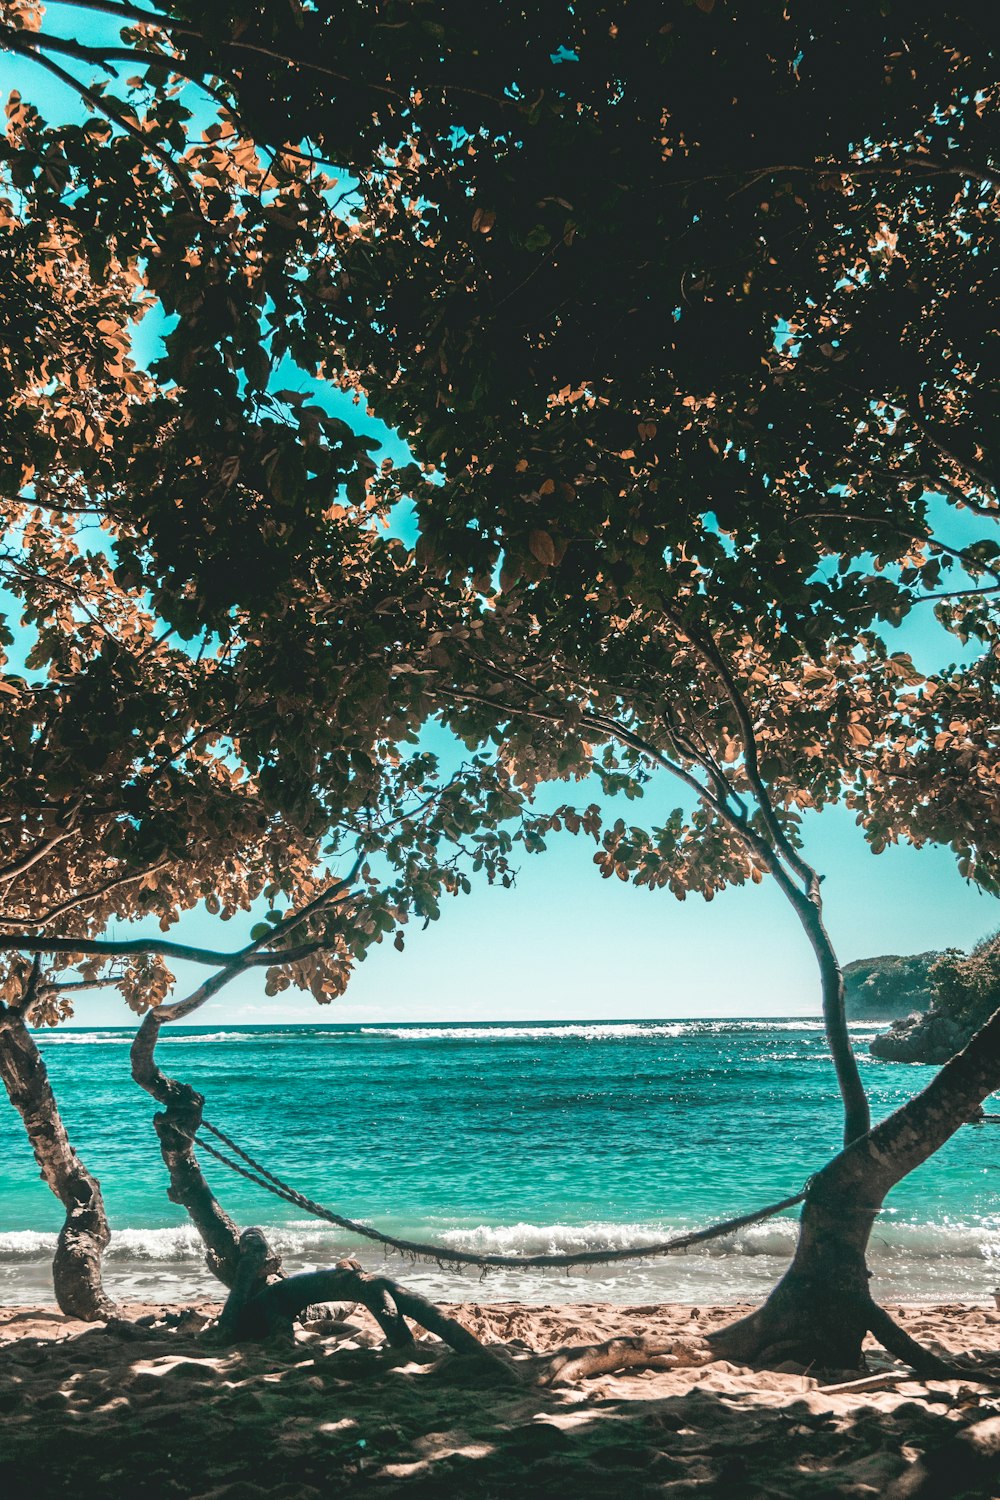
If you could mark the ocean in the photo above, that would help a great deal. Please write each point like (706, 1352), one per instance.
(508, 1137)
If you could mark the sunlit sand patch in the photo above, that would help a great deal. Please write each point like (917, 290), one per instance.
(330, 1415)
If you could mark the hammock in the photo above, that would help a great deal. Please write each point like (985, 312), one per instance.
(255, 1172)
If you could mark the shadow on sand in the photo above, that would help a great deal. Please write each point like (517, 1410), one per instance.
(155, 1413)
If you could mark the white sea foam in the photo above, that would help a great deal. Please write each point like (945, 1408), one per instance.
(592, 1031)
(82, 1038)
(910, 1262)
(178, 1039)
(586, 1031)
(176, 1244)
(776, 1238)
(125, 1038)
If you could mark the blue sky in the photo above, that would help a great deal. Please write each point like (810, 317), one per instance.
(563, 943)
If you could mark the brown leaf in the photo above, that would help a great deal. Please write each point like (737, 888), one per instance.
(542, 547)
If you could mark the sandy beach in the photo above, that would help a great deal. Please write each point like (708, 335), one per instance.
(149, 1408)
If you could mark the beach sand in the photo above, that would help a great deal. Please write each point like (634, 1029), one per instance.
(155, 1411)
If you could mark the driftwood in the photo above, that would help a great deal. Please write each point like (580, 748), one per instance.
(76, 1267)
(925, 1362)
(587, 1360)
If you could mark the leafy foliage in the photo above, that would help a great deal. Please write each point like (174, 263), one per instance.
(967, 985)
(195, 714)
(688, 317)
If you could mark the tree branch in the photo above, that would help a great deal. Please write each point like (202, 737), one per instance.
(250, 955)
(25, 862)
(925, 167)
(74, 901)
(903, 531)
(17, 43)
(713, 658)
(29, 994)
(254, 955)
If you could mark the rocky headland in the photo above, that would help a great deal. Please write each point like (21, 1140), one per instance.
(880, 989)
(964, 991)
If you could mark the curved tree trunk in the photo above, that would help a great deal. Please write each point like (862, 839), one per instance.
(262, 1301)
(821, 1309)
(857, 1115)
(76, 1268)
(809, 910)
(176, 1128)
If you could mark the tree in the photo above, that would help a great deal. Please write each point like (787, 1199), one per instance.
(685, 314)
(199, 750)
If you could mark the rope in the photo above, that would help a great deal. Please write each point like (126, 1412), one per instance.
(443, 1253)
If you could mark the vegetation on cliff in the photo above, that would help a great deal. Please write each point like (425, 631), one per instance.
(888, 986)
(965, 991)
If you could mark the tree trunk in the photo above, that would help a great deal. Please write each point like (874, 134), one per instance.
(176, 1128)
(809, 910)
(821, 1309)
(76, 1268)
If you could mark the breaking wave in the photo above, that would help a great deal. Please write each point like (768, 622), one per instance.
(584, 1030)
(895, 1242)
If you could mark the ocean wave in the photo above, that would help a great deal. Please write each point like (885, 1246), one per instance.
(179, 1038)
(891, 1242)
(583, 1030)
(776, 1238)
(181, 1244)
(125, 1038)
(82, 1038)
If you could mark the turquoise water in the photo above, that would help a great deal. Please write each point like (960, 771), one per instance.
(506, 1137)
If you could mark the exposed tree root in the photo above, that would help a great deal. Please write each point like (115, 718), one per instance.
(255, 1264)
(798, 1328)
(256, 1309)
(800, 1321)
(587, 1360)
(923, 1362)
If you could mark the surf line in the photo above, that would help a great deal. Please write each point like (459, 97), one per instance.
(255, 1172)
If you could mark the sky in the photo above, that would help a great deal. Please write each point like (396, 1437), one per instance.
(565, 944)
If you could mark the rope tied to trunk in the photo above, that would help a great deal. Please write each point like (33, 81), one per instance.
(255, 1172)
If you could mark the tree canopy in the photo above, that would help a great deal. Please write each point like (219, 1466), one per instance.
(688, 317)
(688, 325)
(176, 731)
